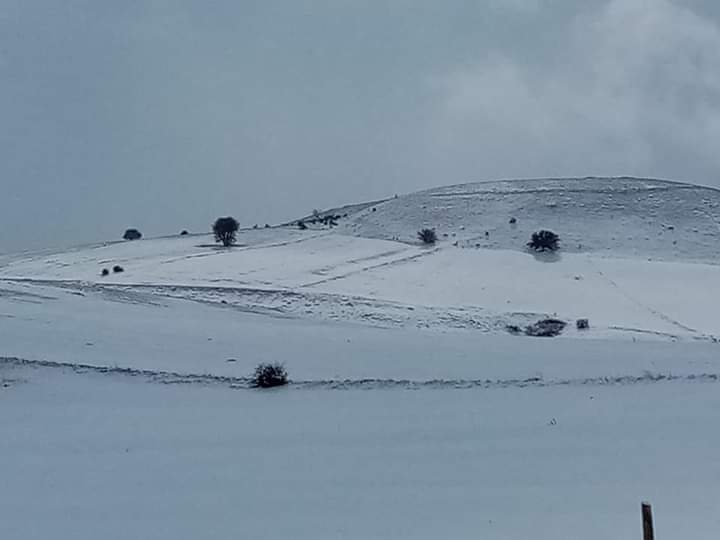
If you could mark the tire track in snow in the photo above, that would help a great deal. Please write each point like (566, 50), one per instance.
(393, 262)
(245, 383)
(218, 250)
(657, 313)
(329, 268)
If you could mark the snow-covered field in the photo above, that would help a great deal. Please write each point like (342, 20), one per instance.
(326, 275)
(91, 456)
(412, 412)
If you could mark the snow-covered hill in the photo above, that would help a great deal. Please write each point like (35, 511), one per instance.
(627, 217)
(639, 259)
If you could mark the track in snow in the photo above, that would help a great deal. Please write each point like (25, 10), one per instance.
(245, 383)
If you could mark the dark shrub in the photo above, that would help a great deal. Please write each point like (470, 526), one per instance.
(544, 241)
(267, 225)
(582, 324)
(132, 234)
(301, 225)
(427, 236)
(513, 328)
(545, 328)
(117, 269)
(269, 376)
(225, 229)
(513, 221)
(183, 233)
(105, 272)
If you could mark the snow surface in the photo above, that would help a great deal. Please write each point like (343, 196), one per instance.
(91, 456)
(412, 412)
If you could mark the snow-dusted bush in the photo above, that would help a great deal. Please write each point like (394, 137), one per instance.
(132, 234)
(427, 236)
(117, 269)
(105, 272)
(544, 241)
(330, 220)
(225, 229)
(183, 232)
(545, 328)
(269, 376)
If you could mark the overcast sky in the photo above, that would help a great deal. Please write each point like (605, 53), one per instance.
(164, 114)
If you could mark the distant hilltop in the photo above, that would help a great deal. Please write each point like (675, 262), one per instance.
(623, 216)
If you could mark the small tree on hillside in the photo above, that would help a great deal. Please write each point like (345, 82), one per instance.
(225, 229)
(132, 234)
(427, 236)
(544, 241)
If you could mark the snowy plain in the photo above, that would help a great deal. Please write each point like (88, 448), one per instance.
(91, 456)
(412, 412)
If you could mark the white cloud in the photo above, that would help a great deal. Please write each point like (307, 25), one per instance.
(634, 88)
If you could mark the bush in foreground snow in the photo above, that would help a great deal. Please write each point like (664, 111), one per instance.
(427, 236)
(269, 376)
(544, 241)
(225, 229)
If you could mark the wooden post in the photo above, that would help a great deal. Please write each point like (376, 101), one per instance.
(647, 521)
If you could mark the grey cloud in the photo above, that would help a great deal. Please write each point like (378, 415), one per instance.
(634, 88)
